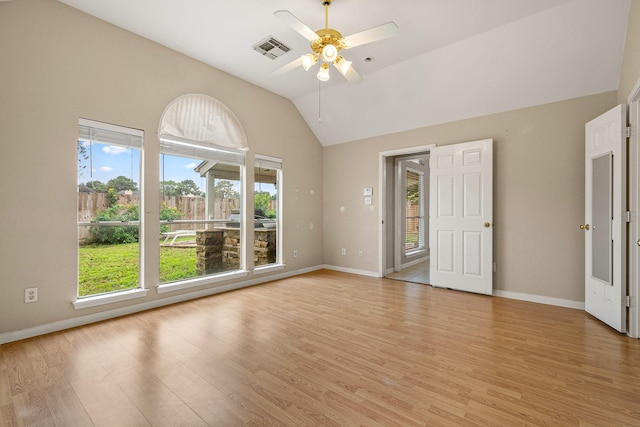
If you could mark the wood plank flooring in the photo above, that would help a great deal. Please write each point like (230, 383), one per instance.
(328, 349)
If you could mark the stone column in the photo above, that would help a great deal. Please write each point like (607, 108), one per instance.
(231, 249)
(264, 246)
(208, 252)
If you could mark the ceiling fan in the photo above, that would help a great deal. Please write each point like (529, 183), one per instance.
(327, 43)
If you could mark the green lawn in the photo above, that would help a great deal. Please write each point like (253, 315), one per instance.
(108, 268)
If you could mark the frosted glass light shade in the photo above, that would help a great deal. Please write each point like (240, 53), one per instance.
(342, 65)
(308, 61)
(323, 74)
(329, 53)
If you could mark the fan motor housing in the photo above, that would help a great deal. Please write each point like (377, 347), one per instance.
(327, 36)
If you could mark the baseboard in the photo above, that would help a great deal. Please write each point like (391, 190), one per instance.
(352, 271)
(110, 314)
(540, 299)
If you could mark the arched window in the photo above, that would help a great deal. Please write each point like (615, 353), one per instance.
(202, 172)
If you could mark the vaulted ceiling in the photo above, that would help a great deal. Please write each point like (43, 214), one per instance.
(451, 59)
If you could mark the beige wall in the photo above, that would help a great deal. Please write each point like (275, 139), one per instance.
(538, 193)
(630, 73)
(58, 64)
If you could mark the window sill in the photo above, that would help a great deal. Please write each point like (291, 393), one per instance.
(415, 253)
(97, 300)
(268, 268)
(186, 284)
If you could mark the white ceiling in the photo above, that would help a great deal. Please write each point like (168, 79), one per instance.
(452, 59)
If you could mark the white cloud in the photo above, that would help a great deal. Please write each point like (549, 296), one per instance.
(106, 169)
(191, 165)
(112, 149)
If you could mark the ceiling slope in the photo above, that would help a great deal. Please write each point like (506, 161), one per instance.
(452, 59)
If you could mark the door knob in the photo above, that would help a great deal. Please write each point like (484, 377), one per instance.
(487, 224)
(585, 227)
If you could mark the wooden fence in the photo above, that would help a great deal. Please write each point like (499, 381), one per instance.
(191, 207)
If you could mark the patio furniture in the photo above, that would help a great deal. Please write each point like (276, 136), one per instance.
(173, 235)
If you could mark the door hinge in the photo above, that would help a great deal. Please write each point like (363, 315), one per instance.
(628, 302)
(627, 132)
(627, 216)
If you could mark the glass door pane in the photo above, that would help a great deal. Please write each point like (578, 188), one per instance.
(601, 218)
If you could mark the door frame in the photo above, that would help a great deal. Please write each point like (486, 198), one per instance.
(382, 198)
(633, 250)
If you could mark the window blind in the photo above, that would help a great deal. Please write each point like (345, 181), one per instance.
(105, 133)
(267, 162)
(194, 150)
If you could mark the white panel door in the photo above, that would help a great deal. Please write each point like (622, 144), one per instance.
(461, 216)
(605, 225)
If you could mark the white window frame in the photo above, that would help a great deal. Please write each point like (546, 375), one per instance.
(133, 138)
(200, 150)
(421, 243)
(270, 162)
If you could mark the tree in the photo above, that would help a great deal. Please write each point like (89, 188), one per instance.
(261, 200)
(225, 190)
(122, 183)
(82, 157)
(169, 188)
(182, 188)
(97, 186)
(187, 187)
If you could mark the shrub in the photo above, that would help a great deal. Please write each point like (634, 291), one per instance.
(110, 235)
(168, 214)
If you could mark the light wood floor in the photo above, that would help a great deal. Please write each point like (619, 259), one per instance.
(331, 349)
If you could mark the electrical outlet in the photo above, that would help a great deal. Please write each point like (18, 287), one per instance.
(344, 251)
(361, 252)
(30, 295)
(295, 253)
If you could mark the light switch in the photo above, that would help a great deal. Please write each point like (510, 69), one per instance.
(368, 191)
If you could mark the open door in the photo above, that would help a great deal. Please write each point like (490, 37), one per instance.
(461, 216)
(605, 224)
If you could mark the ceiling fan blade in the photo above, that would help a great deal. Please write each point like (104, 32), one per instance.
(351, 75)
(290, 66)
(291, 20)
(374, 34)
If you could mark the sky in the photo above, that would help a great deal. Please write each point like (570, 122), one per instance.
(106, 162)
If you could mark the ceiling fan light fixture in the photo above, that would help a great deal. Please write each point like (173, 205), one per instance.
(342, 64)
(326, 44)
(329, 53)
(309, 60)
(323, 74)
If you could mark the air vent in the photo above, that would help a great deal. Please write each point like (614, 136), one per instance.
(271, 48)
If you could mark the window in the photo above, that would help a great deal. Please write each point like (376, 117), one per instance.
(266, 237)
(201, 227)
(414, 217)
(108, 208)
